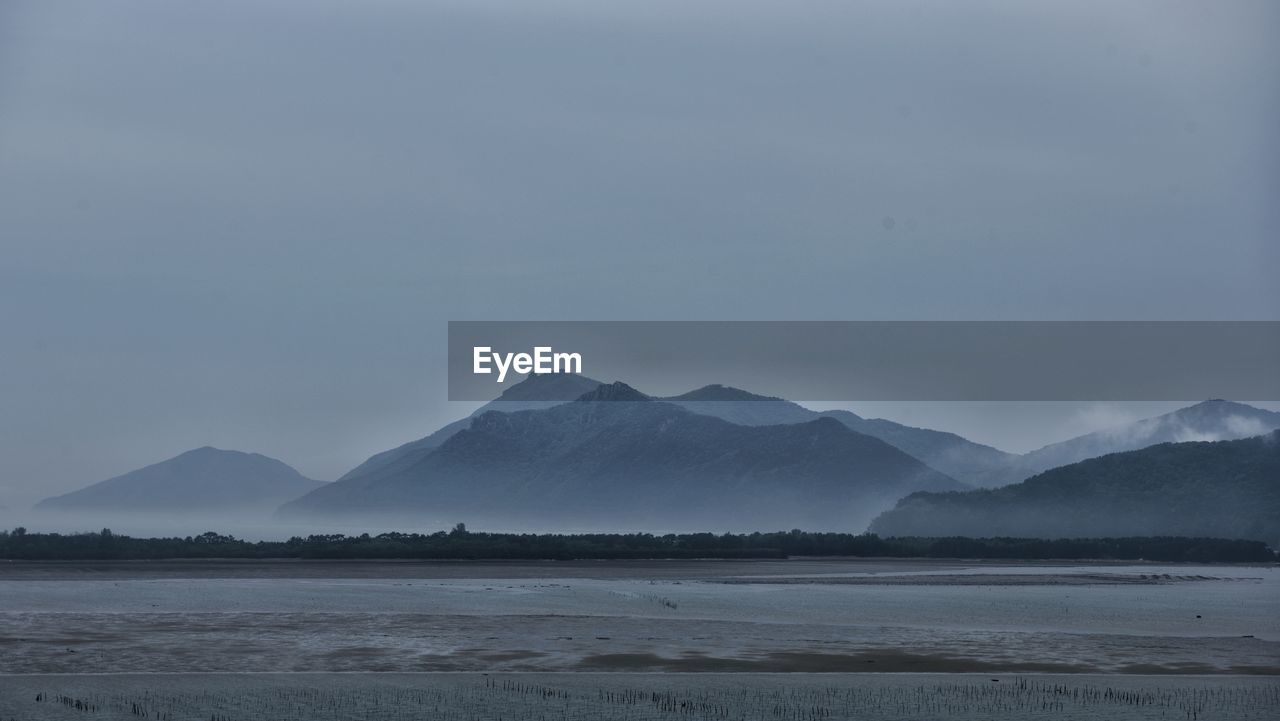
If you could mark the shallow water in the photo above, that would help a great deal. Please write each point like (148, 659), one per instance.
(644, 616)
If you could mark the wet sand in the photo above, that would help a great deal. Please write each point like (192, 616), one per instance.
(802, 616)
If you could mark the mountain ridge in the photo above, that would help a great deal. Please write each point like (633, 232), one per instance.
(618, 457)
(200, 480)
(970, 462)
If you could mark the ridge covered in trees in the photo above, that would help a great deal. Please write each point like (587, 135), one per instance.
(1222, 489)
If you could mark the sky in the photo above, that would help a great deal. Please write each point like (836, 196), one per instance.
(246, 223)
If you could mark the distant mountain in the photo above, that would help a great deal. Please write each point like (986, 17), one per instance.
(1225, 489)
(532, 393)
(616, 458)
(949, 453)
(742, 407)
(196, 482)
(955, 456)
(1215, 420)
(981, 465)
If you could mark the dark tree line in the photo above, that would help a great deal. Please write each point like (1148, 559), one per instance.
(461, 544)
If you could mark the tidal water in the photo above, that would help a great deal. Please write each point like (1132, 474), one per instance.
(807, 616)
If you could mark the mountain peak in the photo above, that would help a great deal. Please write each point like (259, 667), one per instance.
(718, 392)
(618, 391)
(211, 451)
(1218, 405)
(549, 387)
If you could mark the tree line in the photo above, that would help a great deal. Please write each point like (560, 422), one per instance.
(461, 544)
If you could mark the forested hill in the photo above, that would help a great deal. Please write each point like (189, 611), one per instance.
(1224, 489)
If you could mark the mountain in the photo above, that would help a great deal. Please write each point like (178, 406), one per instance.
(532, 393)
(984, 466)
(616, 458)
(1215, 420)
(742, 407)
(954, 455)
(199, 481)
(1224, 489)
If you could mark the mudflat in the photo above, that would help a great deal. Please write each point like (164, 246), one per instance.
(801, 616)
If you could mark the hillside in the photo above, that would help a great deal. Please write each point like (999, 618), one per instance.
(1225, 489)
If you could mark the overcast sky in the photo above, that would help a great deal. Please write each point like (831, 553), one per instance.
(245, 224)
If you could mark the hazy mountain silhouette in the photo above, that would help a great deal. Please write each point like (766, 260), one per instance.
(973, 463)
(984, 466)
(1214, 420)
(616, 458)
(532, 393)
(196, 482)
(954, 455)
(1223, 489)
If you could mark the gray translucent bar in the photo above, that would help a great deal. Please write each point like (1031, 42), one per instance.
(897, 360)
